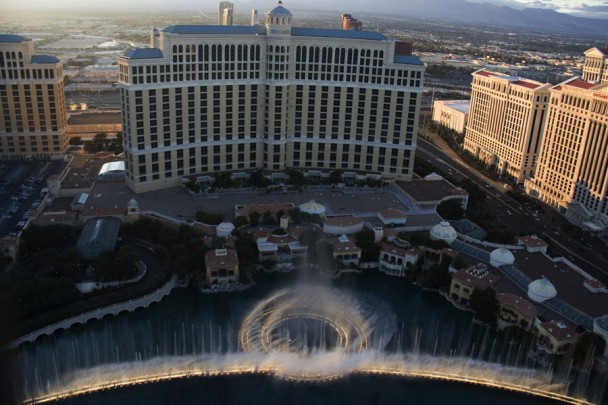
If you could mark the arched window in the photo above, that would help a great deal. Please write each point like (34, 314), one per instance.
(187, 48)
(200, 53)
(174, 48)
(180, 49)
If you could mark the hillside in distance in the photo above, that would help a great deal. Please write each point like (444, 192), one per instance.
(483, 13)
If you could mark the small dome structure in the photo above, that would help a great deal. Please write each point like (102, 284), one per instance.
(541, 290)
(501, 256)
(133, 203)
(224, 229)
(279, 10)
(444, 231)
(312, 207)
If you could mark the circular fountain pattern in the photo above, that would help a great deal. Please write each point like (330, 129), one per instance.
(313, 319)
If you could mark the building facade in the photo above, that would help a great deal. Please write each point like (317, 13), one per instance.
(452, 114)
(505, 123)
(209, 99)
(572, 174)
(595, 68)
(226, 10)
(33, 117)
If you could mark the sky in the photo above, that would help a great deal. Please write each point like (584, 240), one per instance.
(581, 8)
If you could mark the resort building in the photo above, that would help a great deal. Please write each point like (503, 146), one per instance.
(515, 311)
(222, 266)
(33, 117)
(572, 173)
(596, 65)
(505, 123)
(226, 13)
(394, 260)
(345, 251)
(465, 281)
(452, 114)
(209, 99)
(555, 337)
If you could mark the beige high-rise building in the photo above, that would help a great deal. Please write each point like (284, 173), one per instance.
(505, 122)
(33, 118)
(573, 167)
(226, 12)
(210, 99)
(595, 68)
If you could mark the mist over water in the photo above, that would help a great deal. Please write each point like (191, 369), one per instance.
(312, 333)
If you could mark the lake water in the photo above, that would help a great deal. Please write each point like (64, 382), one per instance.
(189, 325)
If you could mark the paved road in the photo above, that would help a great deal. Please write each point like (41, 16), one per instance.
(518, 217)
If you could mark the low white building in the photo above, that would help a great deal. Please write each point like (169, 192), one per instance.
(452, 113)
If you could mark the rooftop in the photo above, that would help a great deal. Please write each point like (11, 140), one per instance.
(95, 118)
(12, 39)
(143, 53)
(344, 220)
(219, 257)
(216, 29)
(427, 191)
(335, 33)
(343, 244)
(44, 59)
(525, 307)
(559, 330)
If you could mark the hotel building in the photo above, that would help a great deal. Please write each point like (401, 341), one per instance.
(210, 99)
(33, 118)
(226, 13)
(505, 122)
(573, 168)
(452, 114)
(595, 68)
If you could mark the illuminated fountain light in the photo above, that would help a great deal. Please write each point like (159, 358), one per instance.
(315, 366)
(305, 320)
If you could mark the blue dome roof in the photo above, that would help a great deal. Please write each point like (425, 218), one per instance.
(280, 10)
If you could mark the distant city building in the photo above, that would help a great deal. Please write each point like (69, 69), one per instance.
(33, 117)
(452, 114)
(254, 17)
(506, 121)
(572, 173)
(350, 23)
(208, 99)
(596, 65)
(226, 12)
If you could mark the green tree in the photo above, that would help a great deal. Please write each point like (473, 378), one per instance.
(254, 218)
(450, 209)
(484, 304)
(104, 267)
(124, 263)
(335, 177)
(437, 276)
(75, 141)
(365, 240)
(240, 221)
(208, 218)
(257, 179)
(268, 218)
(295, 215)
(246, 250)
(296, 177)
(223, 180)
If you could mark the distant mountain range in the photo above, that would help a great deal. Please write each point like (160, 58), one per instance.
(486, 13)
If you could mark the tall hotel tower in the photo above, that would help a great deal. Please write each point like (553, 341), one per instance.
(210, 99)
(573, 165)
(226, 12)
(505, 122)
(33, 118)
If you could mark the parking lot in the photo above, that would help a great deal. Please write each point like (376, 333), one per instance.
(21, 184)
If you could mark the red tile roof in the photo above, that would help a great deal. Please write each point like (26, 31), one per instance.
(486, 73)
(218, 257)
(392, 213)
(525, 307)
(478, 282)
(581, 84)
(343, 221)
(526, 84)
(559, 330)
